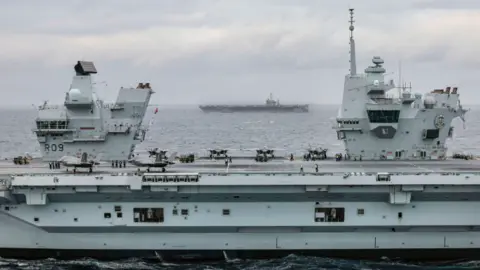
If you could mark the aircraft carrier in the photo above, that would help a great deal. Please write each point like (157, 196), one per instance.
(270, 105)
(393, 193)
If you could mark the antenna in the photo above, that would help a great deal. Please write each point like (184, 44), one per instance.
(351, 22)
(353, 65)
(400, 78)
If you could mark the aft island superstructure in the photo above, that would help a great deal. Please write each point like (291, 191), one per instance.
(393, 193)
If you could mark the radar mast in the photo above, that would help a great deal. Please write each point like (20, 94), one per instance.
(353, 64)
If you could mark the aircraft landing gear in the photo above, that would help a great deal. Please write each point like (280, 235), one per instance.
(163, 170)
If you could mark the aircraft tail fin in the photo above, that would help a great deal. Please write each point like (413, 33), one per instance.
(84, 158)
(158, 157)
(172, 157)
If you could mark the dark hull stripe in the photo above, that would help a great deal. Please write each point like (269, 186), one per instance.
(438, 255)
(276, 229)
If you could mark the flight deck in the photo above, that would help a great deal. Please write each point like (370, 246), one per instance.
(218, 166)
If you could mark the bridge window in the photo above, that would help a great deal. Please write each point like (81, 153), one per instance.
(148, 215)
(52, 124)
(329, 214)
(383, 116)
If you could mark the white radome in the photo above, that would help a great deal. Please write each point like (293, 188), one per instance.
(74, 94)
(429, 100)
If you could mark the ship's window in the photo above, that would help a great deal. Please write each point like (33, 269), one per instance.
(7, 208)
(36, 219)
(107, 215)
(62, 125)
(118, 208)
(400, 214)
(360, 211)
(43, 124)
(381, 116)
(119, 215)
(184, 211)
(383, 177)
(75, 219)
(329, 214)
(226, 212)
(175, 212)
(52, 125)
(431, 133)
(150, 215)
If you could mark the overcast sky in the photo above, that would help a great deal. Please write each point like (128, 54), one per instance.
(200, 51)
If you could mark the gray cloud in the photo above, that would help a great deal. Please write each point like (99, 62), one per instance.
(236, 50)
(447, 4)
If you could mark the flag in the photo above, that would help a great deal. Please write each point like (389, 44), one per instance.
(156, 110)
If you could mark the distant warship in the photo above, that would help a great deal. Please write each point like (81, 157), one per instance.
(270, 106)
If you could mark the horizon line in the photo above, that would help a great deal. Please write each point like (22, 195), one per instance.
(25, 106)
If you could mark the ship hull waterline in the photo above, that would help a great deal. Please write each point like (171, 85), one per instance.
(182, 256)
(24, 241)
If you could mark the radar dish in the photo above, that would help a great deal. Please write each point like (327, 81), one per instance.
(85, 68)
(377, 60)
(376, 83)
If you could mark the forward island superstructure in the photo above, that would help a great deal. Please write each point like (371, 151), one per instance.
(409, 206)
(86, 126)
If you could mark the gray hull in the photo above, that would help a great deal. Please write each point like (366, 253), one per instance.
(18, 239)
(255, 108)
(270, 215)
